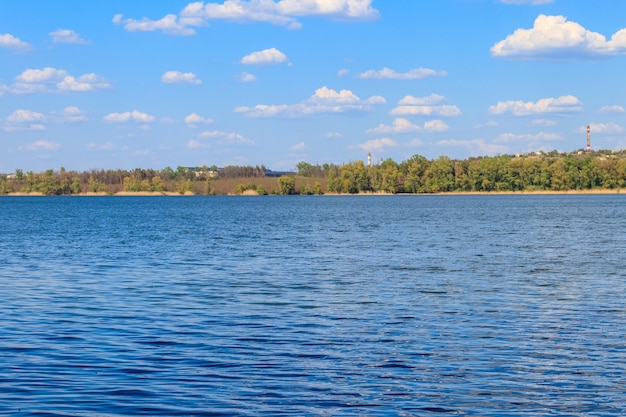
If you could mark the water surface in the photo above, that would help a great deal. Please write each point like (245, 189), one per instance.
(373, 306)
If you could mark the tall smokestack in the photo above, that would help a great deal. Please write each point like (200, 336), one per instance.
(588, 138)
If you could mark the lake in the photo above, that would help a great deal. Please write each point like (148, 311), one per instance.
(485, 305)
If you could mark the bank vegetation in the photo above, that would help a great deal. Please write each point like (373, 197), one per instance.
(537, 172)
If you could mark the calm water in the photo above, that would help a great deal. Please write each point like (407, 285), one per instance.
(307, 306)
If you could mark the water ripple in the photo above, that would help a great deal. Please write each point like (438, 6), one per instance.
(378, 306)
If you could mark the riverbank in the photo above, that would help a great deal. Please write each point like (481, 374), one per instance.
(255, 193)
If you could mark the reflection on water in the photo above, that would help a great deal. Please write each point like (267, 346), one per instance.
(417, 305)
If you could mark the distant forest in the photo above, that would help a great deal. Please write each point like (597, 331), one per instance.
(540, 171)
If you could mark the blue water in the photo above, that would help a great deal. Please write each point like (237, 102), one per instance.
(313, 306)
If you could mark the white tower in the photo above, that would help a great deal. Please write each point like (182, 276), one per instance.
(588, 138)
(369, 159)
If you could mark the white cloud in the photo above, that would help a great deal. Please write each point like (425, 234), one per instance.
(443, 111)
(43, 75)
(43, 145)
(194, 144)
(476, 146)
(134, 115)
(170, 24)
(377, 144)
(435, 126)
(612, 109)
(422, 101)
(324, 101)
(67, 36)
(281, 13)
(11, 42)
(541, 136)
(270, 56)
(333, 135)
(531, 2)
(194, 119)
(87, 82)
(563, 104)
(298, 147)
(601, 128)
(401, 125)
(414, 74)
(553, 37)
(25, 116)
(72, 114)
(30, 120)
(177, 77)
(25, 120)
(343, 72)
(425, 106)
(53, 80)
(247, 78)
(226, 137)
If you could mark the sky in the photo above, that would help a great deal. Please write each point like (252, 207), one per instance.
(104, 84)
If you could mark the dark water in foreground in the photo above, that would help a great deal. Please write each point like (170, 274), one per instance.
(306, 306)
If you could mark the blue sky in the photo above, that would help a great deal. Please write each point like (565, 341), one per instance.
(107, 84)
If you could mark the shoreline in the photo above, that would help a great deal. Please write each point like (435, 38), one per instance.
(452, 193)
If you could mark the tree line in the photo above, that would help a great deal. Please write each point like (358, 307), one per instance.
(552, 171)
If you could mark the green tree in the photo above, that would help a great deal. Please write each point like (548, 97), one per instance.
(440, 175)
(286, 185)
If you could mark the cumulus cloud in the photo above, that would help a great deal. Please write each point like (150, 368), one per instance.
(563, 104)
(414, 74)
(298, 147)
(194, 119)
(270, 56)
(72, 114)
(25, 120)
(87, 82)
(25, 116)
(170, 24)
(135, 116)
(66, 36)
(53, 80)
(612, 109)
(377, 144)
(601, 128)
(343, 72)
(177, 77)
(43, 145)
(324, 101)
(280, 12)
(442, 111)
(31, 120)
(41, 75)
(425, 106)
(226, 137)
(422, 101)
(554, 37)
(11, 42)
(401, 125)
(244, 77)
